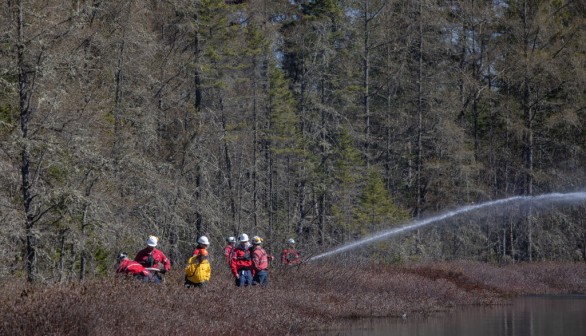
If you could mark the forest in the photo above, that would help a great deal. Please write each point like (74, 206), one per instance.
(319, 120)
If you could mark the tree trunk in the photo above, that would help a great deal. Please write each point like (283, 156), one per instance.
(26, 76)
(62, 236)
(419, 148)
(366, 83)
(118, 96)
(82, 258)
(254, 146)
(229, 172)
(528, 116)
(197, 107)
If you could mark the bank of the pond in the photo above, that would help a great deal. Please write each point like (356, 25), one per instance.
(543, 315)
(299, 300)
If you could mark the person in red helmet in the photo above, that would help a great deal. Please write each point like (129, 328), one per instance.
(241, 264)
(150, 257)
(290, 255)
(131, 267)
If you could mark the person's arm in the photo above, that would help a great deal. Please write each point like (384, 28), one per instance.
(167, 264)
(233, 264)
(255, 260)
(165, 261)
(208, 273)
(120, 268)
(134, 268)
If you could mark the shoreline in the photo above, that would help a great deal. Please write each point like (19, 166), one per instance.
(301, 299)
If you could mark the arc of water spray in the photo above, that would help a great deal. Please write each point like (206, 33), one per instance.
(559, 197)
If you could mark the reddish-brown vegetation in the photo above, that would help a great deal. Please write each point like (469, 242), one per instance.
(300, 299)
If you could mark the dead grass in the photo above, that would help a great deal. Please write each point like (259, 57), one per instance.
(299, 299)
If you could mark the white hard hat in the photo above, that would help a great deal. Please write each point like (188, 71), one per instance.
(231, 240)
(203, 240)
(152, 241)
(243, 238)
(291, 241)
(122, 256)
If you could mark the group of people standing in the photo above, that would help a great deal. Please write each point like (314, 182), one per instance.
(248, 262)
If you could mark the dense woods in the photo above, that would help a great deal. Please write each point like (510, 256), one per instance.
(321, 120)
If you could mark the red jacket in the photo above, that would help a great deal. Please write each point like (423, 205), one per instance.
(128, 266)
(228, 253)
(158, 257)
(260, 259)
(290, 256)
(241, 260)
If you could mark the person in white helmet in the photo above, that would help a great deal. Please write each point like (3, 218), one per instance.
(198, 271)
(228, 249)
(151, 257)
(290, 255)
(241, 264)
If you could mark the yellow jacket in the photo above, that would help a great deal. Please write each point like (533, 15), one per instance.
(198, 272)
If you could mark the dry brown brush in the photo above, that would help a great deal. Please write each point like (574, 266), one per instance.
(299, 299)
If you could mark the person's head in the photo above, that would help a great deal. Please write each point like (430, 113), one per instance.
(121, 256)
(203, 241)
(243, 239)
(231, 240)
(256, 241)
(152, 242)
(291, 242)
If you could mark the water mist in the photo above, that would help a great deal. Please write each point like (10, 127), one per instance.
(535, 200)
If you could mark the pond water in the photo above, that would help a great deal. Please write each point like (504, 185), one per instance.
(527, 316)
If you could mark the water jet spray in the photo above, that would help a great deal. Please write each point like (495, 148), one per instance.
(545, 198)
